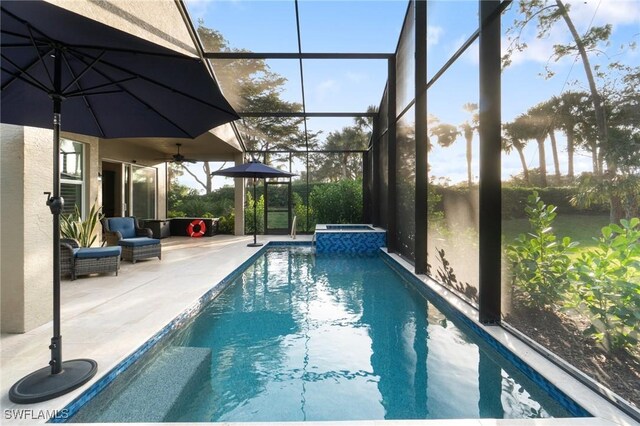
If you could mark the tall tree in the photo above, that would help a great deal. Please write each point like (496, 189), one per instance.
(444, 133)
(537, 127)
(547, 112)
(515, 137)
(548, 14)
(569, 114)
(468, 128)
(343, 164)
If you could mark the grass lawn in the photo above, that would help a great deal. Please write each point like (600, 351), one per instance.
(581, 228)
(278, 220)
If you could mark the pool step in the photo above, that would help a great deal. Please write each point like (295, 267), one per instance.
(153, 392)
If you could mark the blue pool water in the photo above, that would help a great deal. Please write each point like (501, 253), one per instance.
(328, 337)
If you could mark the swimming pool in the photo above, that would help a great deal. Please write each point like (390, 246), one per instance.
(299, 336)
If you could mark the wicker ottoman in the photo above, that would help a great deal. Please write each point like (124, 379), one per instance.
(134, 249)
(76, 261)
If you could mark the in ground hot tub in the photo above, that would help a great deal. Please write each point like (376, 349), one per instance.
(356, 238)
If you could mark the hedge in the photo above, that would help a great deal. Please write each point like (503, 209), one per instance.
(514, 200)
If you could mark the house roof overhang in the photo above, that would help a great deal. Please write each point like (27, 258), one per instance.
(219, 144)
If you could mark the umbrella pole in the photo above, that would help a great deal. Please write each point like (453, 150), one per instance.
(59, 378)
(255, 217)
(56, 204)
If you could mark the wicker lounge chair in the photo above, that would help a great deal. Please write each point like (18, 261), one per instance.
(136, 242)
(75, 260)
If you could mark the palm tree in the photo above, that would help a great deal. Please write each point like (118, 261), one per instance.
(549, 109)
(514, 137)
(446, 134)
(547, 15)
(537, 127)
(467, 128)
(569, 109)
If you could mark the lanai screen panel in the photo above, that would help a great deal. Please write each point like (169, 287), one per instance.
(364, 26)
(383, 164)
(343, 85)
(405, 139)
(453, 159)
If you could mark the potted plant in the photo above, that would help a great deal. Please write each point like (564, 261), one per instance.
(73, 226)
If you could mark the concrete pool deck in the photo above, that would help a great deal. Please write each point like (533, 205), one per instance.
(106, 318)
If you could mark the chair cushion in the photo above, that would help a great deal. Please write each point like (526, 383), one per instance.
(125, 225)
(138, 242)
(97, 252)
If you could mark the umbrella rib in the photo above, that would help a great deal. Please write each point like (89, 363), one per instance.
(21, 73)
(17, 45)
(100, 86)
(20, 35)
(86, 101)
(79, 94)
(157, 83)
(83, 72)
(44, 64)
(125, 90)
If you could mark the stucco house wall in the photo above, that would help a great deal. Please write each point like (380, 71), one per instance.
(26, 233)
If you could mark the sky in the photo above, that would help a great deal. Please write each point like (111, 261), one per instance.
(374, 26)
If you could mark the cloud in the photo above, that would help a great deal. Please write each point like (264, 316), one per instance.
(615, 12)
(583, 14)
(198, 9)
(433, 34)
(326, 88)
(357, 77)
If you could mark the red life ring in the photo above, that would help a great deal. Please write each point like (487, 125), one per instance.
(196, 228)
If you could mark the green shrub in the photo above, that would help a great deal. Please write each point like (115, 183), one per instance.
(300, 211)
(249, 225)
(176, 213)
(606, 284)
(226, 224)
(434, 203)
(197, 207)
(339, 202)
(514, 200)
(538, 263)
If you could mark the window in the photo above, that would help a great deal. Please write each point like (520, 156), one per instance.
(143, 192)
(72, 172)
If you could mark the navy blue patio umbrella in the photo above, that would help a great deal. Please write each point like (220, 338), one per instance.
(254, 170)
(110, 84)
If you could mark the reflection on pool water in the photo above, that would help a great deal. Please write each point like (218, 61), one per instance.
(327, 337)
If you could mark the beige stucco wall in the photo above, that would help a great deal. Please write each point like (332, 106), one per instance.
(158, 21)
(26, 234)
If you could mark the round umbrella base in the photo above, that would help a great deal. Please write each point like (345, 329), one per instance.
(41, 385)
(254, 245)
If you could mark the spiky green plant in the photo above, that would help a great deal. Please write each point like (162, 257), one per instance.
(73, 226)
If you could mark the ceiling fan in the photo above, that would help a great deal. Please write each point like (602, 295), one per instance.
(179, 158)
